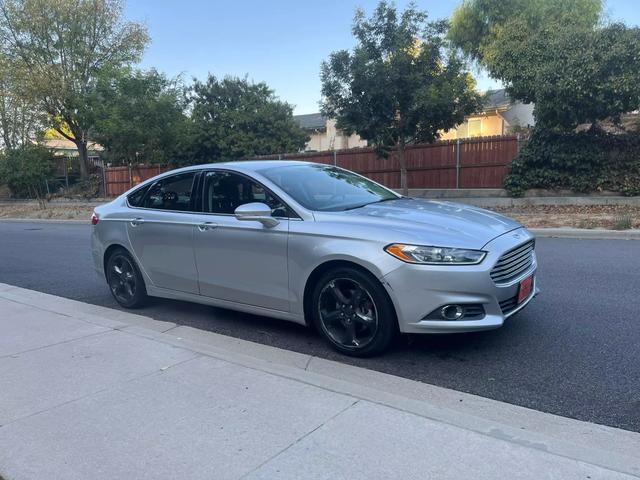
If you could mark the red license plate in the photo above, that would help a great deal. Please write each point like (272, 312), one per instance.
(526, 287)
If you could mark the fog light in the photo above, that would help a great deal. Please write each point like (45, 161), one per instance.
(452, 312)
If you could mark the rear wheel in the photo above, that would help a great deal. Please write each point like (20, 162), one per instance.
(353, 312)
(125, 280)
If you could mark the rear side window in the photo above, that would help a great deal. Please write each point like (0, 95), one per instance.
(170, 193)
(135, 199)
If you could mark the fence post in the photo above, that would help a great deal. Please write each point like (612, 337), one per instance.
(130, 177)
(457, 163)
(335, 158)
(66, 174)
(104, 178)
(518, 139)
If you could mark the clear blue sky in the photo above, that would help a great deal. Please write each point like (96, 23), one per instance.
(280, 42)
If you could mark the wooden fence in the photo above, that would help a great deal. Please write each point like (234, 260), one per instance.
(466, 163)
(118, 180)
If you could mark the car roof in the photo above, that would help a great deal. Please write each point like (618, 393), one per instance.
(249, 165)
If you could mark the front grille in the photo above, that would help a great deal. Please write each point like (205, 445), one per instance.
(513, 263)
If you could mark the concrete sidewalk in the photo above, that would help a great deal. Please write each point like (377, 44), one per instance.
(88, 393)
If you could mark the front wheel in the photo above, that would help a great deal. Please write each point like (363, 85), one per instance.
(353, 312)
(125, 280)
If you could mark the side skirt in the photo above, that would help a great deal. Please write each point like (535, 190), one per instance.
(214, 302)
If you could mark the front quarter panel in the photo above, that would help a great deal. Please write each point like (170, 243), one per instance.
(312, 244)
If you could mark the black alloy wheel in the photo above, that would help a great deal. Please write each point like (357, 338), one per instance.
(353, 312)
(125, 280)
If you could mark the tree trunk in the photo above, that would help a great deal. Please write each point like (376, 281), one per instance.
(83, 155)
(403, 167)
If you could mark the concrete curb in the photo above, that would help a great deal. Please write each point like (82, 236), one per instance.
(581, 233)
(598, 445)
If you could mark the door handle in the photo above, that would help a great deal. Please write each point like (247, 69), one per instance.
(136, 221)
(203, 227)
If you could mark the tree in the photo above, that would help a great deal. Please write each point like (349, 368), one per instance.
(233, 118)
(556, 54)
(26, 170)
(399, 85)
(20, 120)
(575, 76)
(61, 48)
(476, 24)
(139, 116)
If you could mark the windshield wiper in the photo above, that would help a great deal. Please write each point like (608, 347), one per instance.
(371, 203)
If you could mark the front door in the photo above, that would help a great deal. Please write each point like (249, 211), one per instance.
(161, 233)
(241, 261)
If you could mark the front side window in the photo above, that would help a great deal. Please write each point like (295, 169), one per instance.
(326, 188)
(171, 193)
(226, 191)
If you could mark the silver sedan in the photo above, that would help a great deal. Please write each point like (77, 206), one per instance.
(316, 245)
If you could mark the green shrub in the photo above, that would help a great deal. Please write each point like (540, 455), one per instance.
(26, 170)
(584, 162)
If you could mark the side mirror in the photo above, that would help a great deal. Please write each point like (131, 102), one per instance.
(256, 212)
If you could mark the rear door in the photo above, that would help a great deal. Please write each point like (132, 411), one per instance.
(241, 261)
(161, 232)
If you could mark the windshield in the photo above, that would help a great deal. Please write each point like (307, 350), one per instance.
(327, 188)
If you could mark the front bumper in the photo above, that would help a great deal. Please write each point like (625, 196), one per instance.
(417, 290)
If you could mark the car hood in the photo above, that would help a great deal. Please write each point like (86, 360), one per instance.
(428, 222)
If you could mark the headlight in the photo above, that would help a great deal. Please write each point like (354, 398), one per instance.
(435, 255)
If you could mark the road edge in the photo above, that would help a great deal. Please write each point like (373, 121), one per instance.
(603, 446)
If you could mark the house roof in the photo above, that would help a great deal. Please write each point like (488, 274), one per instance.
(311, 121)
(64, 147)
(496, 100)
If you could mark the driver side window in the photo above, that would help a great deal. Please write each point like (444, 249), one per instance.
(226, 191)
(171, 193)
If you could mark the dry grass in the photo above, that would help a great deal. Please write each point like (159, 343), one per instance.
(52, 211)
(588, 216)
(534, 216)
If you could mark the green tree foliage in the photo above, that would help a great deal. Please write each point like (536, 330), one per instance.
(20, 120)
(61, 48)
(574, 76)
(400, 84)
(476, 25)
(26, 170)
(556, 54)
(139, 117)
(233, 118)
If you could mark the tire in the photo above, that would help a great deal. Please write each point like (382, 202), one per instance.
(353, 312)
(125, 280)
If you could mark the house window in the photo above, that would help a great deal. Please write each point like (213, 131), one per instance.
(475, 127)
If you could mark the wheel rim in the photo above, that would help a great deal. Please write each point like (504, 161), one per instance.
(348, 314)
(122, 279)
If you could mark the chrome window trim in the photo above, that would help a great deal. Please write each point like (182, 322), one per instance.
(242, 174)
(193, 212)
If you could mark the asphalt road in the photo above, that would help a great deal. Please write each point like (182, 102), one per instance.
(574, 351)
